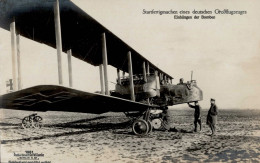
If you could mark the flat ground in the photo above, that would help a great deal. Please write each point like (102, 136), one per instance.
(79, 137)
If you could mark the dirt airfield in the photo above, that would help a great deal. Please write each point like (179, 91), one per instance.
(79, 137)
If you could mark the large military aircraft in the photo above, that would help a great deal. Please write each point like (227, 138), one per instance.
(64, 26)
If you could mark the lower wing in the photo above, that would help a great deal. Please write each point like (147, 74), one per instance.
(59, 98)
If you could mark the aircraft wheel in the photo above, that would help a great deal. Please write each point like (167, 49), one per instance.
(26, 123)
(150, 126)
(140, 127)
(157, 123)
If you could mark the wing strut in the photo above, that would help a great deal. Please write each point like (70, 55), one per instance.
(58, 38)
(130, 70)
(69, 53)
(101, 78)
(144, 72)
(18, 62)
(13, 45)
(148, 69)
(118, 76)
(104, 57)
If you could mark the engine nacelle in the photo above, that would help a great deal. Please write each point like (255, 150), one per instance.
(179, 94)
(161, 94)
(143, 90)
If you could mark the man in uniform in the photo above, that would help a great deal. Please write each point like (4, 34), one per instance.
(181, 81)
(167, 121)
(212, 116)
(197, 114)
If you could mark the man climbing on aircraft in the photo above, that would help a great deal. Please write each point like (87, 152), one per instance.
(181, 81)
(197, 114)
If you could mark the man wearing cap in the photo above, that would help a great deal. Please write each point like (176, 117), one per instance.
(181, 81)
(212, 116)
(197, 115)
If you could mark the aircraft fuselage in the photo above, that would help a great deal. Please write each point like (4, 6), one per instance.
(159, 92)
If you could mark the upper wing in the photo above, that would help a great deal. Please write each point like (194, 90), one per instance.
(59, 98)
(80, 32)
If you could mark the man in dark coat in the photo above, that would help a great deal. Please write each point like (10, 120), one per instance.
(197, 114)
(212, 116)
(167, 121)
(181, 81)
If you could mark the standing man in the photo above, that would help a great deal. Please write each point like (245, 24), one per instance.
(197, 114)
(212, 116)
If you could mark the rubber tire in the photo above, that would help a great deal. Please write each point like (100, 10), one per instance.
(144, 124)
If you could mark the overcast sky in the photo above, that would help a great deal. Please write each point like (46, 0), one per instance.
(223, 53)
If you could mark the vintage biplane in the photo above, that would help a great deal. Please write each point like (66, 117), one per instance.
(61, 24)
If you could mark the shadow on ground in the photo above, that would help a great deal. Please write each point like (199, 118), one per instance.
(79, 124)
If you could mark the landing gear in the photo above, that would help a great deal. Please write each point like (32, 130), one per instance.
(142, 126)
(155, 118)
(157, 123)
(150, 126)
(32, 121)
